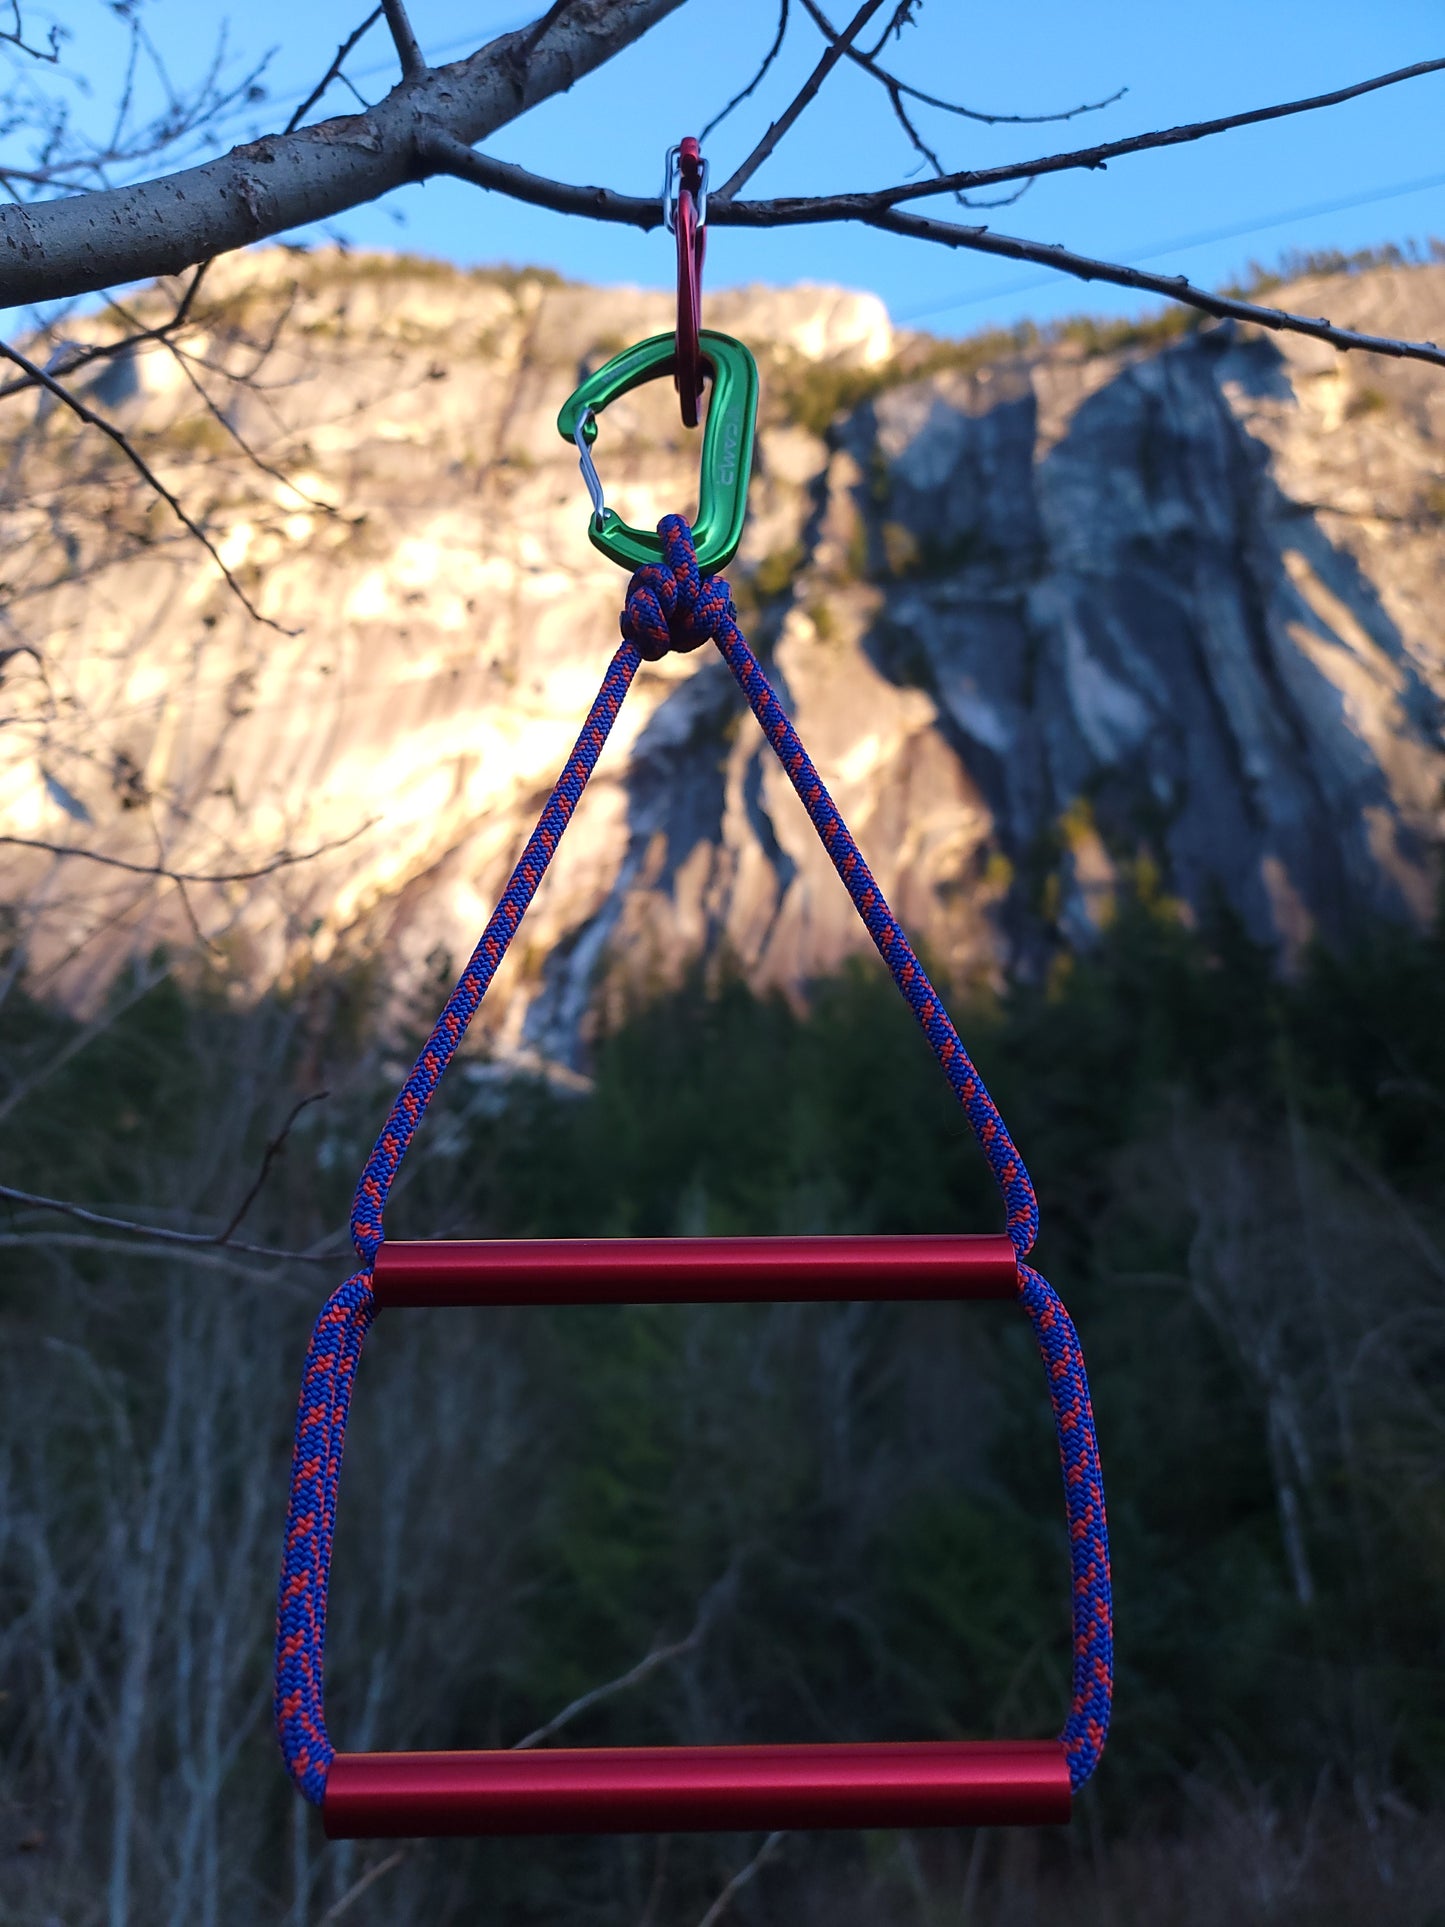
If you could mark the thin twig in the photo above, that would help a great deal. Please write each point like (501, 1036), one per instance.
(353, 1893)
(542, 27)
(741, 1878)
(81, 355)
(177, 119)
(333, 72)
(659, 1657)
(413, 60)
(902, 16)
(143, 468)
(286, 860)
(206, 944)
(896, 89)
(275, 1146)
(53, 177)
(50, 53)
(757, 80)
(1424, 1244)
(644, 1669)
(156, 1234)
(804, 96)
(206, 1257)
(713, 1600)
(81, 1039)
(218, 414)
(1106, 151)
(868, 62)
(935, 160)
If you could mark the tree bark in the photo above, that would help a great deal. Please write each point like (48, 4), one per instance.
(82, 243)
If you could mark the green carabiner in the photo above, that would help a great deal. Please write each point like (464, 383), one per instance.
(727, 447)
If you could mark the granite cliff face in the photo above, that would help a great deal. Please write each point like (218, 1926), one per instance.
(1152, 611)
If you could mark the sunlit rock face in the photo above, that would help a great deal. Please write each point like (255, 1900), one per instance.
(1055, 622)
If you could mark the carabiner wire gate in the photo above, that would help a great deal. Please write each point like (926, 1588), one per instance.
(584, 434)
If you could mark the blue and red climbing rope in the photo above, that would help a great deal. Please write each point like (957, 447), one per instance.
(672, 606)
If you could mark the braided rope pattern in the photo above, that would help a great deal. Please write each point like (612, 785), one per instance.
(326, 1381)
(1087, 1726)
(669, 606)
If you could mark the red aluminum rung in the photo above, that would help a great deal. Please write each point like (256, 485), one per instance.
(686, 1789)
(659, 1271)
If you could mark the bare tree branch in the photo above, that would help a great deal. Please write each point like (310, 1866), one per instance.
(606, 204)
(274, 1147)
(714, 1599)
(285, 861)
(77, 245)
(741, 1878)
(229, 1259)
(333, 71)
(155, 1234)
(69, 161)
(141, 986)
(1174, 287)
(934, 159)
(218, 414)
(897, 89)
(868, 62)
(757, 80)
(844, 206)
(444, 154)
(340, 1908)
(603, 204)
(253, 455)
(413, 60)
(905, 14)
(81, 355)
(805, 95)
(143, 468)
(50, 53)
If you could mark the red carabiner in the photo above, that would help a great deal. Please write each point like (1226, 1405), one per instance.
(688, 224)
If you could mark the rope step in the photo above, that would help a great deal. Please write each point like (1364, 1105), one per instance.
(693, 1271)
(698, 1789)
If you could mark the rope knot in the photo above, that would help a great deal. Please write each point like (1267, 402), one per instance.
(671, 605)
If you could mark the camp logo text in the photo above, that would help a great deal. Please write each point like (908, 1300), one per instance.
(727, 464)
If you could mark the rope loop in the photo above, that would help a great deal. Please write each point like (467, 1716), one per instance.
(670, 605)
(673, 606)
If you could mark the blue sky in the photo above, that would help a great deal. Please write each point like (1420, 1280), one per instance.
(1353, 176)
